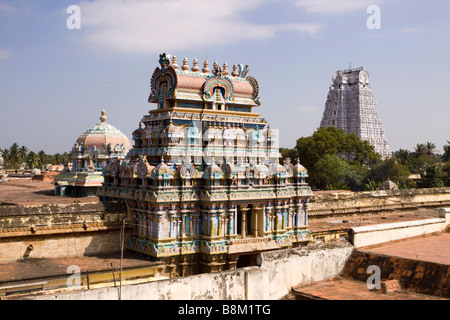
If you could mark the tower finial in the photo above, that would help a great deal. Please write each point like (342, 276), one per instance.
(103, 116)
(205, 67)
(225, 69)
(195, 67)
(235, 72)
(185, 65)
(174, 62)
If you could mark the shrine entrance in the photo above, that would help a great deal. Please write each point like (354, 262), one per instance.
(250, 222)
(248, 260)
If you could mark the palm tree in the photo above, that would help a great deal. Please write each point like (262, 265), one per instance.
(420, 149)
(446, 155)
(23, 152)
(430, 147)
(14, 156)
(32, 160)
(67, 157)
(403, 155)
(57, 159)
(42, 158)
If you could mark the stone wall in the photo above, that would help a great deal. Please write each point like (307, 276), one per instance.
(419, 276)
(59, 246)
(336, 203)
(278, 272)
(59, 230)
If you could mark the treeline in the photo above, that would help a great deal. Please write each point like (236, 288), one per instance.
(16, 155)
(339, 161)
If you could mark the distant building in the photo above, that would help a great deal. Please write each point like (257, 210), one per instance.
(92, 152)
(3, 174)
(351, 106)
(203, 184)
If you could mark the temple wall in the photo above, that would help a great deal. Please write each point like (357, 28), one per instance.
(77, 229)
(59, 230)
(279, 270)
(323, 204)
(59, 246)
(415, 275)
(376, 234)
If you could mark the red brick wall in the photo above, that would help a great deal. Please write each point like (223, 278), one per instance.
(418, 276)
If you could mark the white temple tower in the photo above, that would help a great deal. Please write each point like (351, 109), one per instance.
(351, 106)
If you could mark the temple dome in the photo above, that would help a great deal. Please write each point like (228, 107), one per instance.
(298, 168)
(102, 134)
(388, 185)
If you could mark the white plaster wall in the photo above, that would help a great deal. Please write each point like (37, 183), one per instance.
(279, 271)
(371, 235)
(282, 270)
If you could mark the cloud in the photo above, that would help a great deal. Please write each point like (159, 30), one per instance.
(411, 30)
(307, 109)
(151, 26)
(333, 6)
(5, 8)
(5, 54)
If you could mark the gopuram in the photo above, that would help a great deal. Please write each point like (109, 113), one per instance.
(203, 185)
(351, 106)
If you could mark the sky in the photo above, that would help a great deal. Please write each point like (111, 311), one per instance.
(55, 79)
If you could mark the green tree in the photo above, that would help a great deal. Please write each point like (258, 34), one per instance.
(420, 149)
(43, 158)
(446, 155)
(348, 147)
(288, 153)
(67, 156)
(435, 176)
(57, 159)
(403, 156)
(330, 172)
(14, 156)
(430, 148)
(32, 160)
(390, 169)
(23, 152)
(421, 163)
(446, 171)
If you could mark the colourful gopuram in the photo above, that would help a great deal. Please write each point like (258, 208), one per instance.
(203, 185)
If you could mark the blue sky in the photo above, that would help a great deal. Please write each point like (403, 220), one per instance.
(54, 81)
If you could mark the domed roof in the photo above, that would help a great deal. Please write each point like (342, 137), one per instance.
(388, 185)
(298, 168)
(212, 170)
(101, 135)
(162, 171)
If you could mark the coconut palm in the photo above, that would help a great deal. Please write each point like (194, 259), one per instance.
(403, 156)
(14, 156)
(42, 158)
(23, 152)
(430, 147)
(420, 149)
(32, 160)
